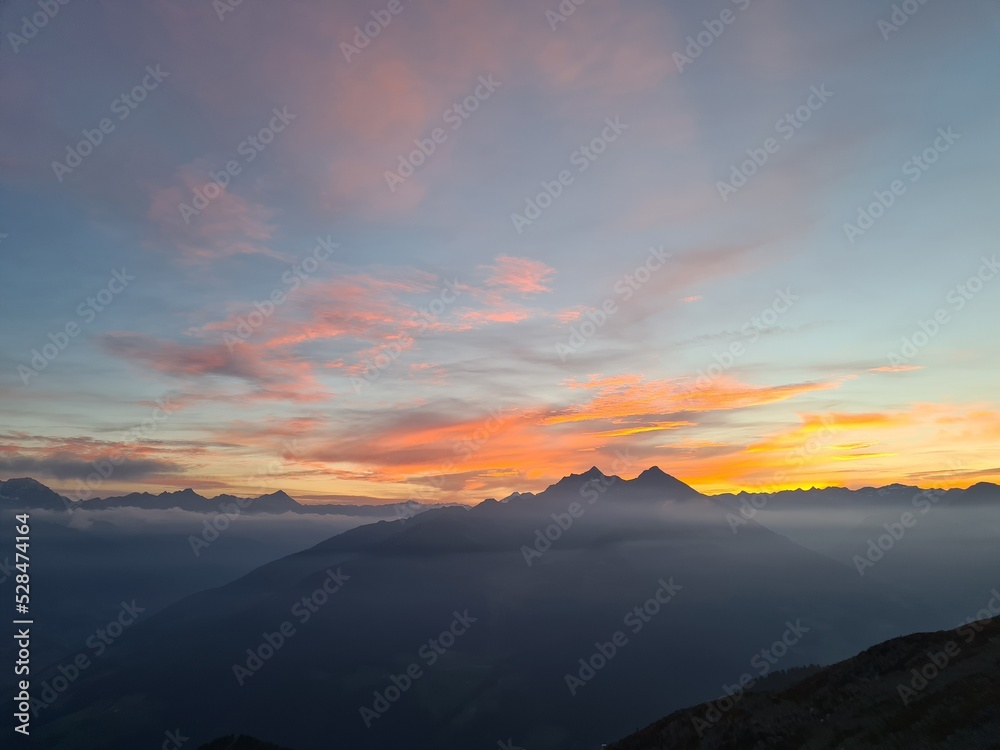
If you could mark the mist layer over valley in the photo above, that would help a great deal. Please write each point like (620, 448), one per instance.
(562, 618)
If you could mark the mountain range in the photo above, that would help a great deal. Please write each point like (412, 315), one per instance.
(533, 588)
(26, 492)
(980, 492)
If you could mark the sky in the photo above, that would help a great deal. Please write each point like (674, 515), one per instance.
(450, 250)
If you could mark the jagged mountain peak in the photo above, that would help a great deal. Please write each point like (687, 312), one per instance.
(187, 492)
(660, 484)
(574, 480)
(30, 493)
(279, 495)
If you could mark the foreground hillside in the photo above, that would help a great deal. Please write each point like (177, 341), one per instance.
(927, 690)
(239, 742)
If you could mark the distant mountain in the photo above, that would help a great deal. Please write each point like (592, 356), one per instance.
(186, 499)
(277, 502)
(892, 494)
(460, 626)
(28, 493)
(929, 690)
(652, 485)
(656, 484)
(982, 492)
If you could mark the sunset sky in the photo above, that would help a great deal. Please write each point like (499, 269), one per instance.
(444, 333)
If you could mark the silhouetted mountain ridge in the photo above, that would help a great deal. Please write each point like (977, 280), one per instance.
(25, 492)
(891, 494)
(32, 494)
(874, 699)
(651, 485)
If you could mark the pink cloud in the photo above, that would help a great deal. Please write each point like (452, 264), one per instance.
(228, 225)
(354, 118)
(272, 372)
(522, 275)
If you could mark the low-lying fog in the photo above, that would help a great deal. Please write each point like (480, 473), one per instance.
(85, 563)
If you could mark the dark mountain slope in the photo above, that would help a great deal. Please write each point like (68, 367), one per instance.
(28, 493)
(873, 700)
(239, 742)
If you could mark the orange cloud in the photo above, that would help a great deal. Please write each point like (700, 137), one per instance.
(519, 448)
(896, 368)
(631, 396)
(909, 444)
(658, 427)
